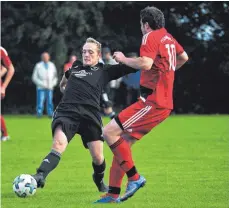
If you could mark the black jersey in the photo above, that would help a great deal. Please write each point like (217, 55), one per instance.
(85, 84)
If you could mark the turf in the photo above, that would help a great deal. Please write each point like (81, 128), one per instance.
(185, 161)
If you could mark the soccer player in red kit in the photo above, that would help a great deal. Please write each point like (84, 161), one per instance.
(160, 56)
(8, 68)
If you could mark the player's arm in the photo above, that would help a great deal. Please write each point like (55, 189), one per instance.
(63, 83)
(9, 75)
(118, 70)
(143, 62)
(64, 80)
(10, 69)
(182, 56)
(3, 71)
(181, 59)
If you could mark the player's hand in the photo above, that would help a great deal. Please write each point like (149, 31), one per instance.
(119, 57)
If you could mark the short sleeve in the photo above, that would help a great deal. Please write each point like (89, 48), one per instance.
(5, 58)
(179, 48)
(149, 47)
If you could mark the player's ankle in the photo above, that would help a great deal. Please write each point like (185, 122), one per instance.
(114, 191)
(135, 177)
(115, 196)
(132, 174)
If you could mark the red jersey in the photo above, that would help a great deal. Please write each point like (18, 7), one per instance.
(163, 49)
(5, 58)
(67, 66)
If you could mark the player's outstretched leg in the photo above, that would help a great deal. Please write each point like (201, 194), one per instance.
(51, 161)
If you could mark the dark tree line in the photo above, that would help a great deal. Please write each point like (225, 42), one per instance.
(29, 28)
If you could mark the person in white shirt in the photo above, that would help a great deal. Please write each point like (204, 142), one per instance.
(45, 78)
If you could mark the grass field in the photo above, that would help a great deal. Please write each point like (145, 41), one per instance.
(185, 161)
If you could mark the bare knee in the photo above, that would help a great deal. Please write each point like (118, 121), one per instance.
(98, 159)
(112, 132)
(107, 131)
(112, 129)
(60, 141)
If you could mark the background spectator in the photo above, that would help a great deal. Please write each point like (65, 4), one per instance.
(45, 78)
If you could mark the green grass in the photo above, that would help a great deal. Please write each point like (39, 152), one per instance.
(185, 161)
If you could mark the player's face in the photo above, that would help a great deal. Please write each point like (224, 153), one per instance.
(90, 54)
(143, 27)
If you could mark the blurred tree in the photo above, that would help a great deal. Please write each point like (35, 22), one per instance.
(29, 28)
(33, 27)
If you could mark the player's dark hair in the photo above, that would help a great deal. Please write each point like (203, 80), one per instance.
(153, 16)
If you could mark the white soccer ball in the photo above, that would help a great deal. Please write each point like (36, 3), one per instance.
(24, 185)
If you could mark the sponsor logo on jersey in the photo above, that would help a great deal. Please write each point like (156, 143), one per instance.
(81, 74)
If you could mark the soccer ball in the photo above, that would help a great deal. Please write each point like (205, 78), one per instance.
(24, 185)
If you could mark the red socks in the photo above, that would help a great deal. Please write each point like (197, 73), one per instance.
(3, 127)
(115, 180)
(123, 157)
(122, 153)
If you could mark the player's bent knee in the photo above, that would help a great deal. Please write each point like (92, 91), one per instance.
(60, 141)
(98, 159)
(59, 144)
(112, 129)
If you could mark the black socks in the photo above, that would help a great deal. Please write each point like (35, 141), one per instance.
(99, 170)
(49, 163)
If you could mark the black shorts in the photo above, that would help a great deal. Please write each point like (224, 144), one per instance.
(84, 120)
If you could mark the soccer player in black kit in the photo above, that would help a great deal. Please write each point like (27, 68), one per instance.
(79, 112)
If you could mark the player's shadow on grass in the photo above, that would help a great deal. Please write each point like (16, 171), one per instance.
(11, 196)
(8, 196)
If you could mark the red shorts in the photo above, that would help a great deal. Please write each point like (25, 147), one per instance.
(139, 118)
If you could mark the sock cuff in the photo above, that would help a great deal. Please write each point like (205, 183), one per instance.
(114, 190)
(113, 146)
(99, 168)
(55, 153)
(131, 172)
